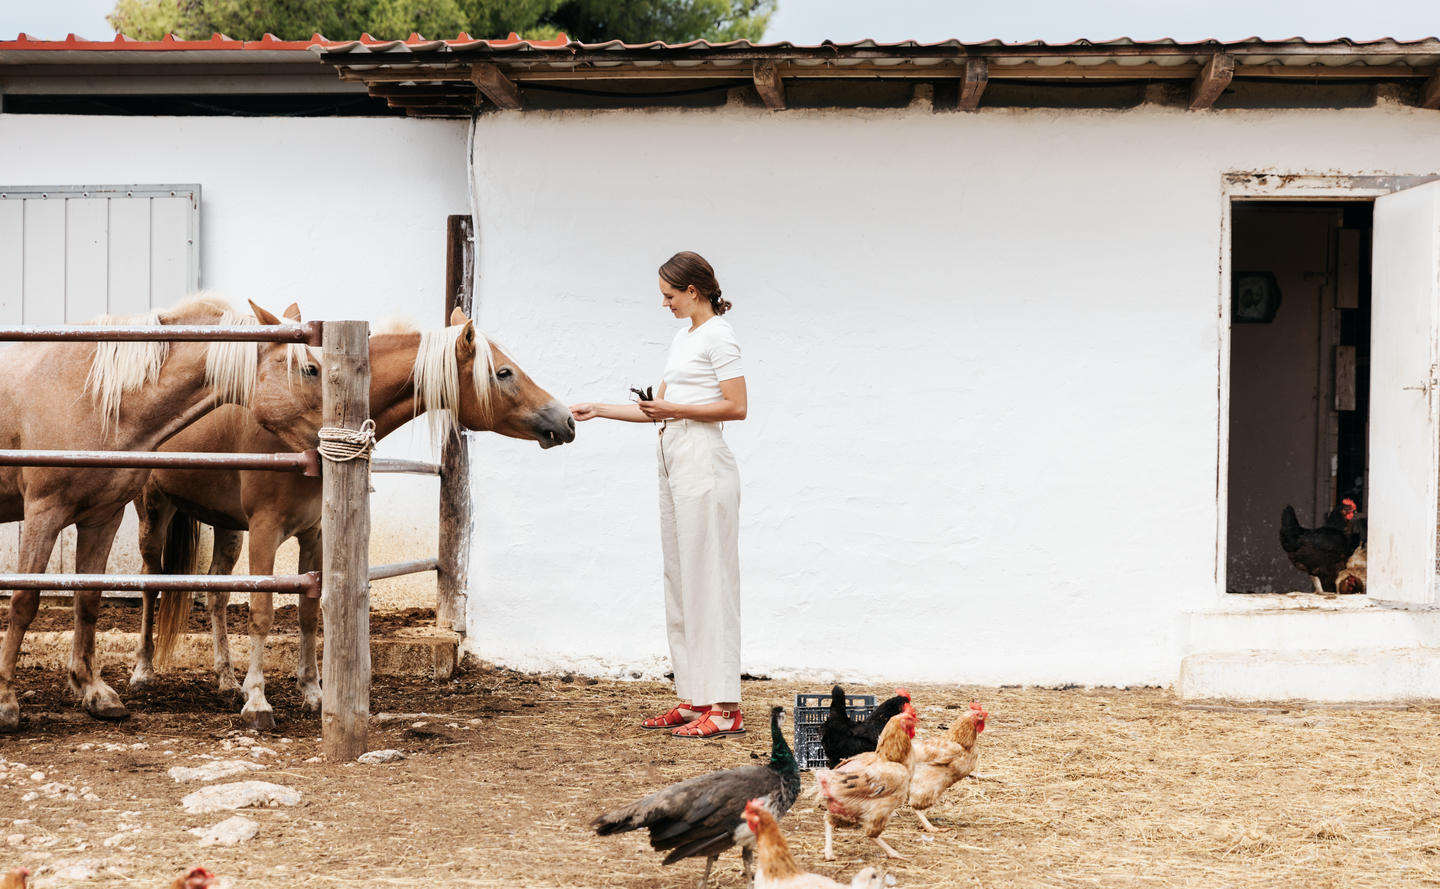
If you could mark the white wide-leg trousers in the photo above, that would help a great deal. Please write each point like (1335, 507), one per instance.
(699, 536)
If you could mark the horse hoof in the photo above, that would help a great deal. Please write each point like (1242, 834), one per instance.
(260, 720)
(142, 683)
(9, 719)
(109, 712)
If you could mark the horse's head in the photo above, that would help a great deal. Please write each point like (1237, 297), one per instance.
(287, 395)
(497, 396)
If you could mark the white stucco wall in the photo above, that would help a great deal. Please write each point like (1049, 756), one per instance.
(345, 216)
(982, 356)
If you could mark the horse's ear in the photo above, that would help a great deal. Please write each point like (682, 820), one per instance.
(465, 343)
(292, 311)
(263, 316)
(458, 316)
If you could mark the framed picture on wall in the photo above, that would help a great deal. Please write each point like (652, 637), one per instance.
(1254, 298)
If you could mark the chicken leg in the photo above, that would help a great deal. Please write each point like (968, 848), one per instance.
(888, 850)
(926, 825)
(829, 838)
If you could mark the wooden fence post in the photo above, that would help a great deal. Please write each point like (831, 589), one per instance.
(452, 577)
(345, 528)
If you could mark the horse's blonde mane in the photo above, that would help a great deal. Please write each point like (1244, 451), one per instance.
(395, 326)
(437, 378)
(118, 368)
(230, 368)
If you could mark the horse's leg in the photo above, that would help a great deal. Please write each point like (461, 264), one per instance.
(307, 671)
(264, 540)
(37, 540)
(92, 551)
(156, 513)
(225, 554)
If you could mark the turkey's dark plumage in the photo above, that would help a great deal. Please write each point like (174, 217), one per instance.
(842, 738)
(701, 816)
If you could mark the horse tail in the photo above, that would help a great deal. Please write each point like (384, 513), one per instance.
(180, 556)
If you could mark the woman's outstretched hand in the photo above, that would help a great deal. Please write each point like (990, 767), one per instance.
(660, 410)
(584, 411)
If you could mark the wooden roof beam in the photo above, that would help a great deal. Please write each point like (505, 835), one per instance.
(770, 85)
(1430, 92)
(495, 86)
(972, 86)
(1214, 77)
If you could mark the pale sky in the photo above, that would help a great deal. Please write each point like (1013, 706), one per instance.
(811, 21)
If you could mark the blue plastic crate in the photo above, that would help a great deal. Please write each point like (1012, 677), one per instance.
(811, 710)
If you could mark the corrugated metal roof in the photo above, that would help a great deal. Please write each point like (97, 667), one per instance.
(442, 76)
(1293, 51)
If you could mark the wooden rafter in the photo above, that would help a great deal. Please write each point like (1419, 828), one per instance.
(1214, 77)
(537, 72)
(1430, 93)
(972, 86)
(770, 86)
(495, 86)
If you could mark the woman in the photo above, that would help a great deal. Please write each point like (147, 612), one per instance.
(702, 387)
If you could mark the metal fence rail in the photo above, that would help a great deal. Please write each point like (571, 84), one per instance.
(414, 467)
(399, 569)
(305, 462)
(304, 584)
(308, 332)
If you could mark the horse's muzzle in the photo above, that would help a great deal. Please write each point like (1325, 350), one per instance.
(554, 425)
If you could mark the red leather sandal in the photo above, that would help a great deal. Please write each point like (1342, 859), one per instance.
(705, 727)
(672, 718)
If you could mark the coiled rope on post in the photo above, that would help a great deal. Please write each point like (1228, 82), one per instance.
(341, 445)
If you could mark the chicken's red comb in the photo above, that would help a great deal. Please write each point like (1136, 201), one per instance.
(975, 705)
(903, 692)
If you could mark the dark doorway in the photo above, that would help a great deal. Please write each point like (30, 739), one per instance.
(1299, 377)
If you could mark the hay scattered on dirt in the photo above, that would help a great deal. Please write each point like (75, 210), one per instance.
(1076, 789)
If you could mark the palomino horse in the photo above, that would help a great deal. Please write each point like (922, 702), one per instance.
(439, 372)
(132, 397)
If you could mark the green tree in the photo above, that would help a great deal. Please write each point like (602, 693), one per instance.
(588, 20)
(673, 21)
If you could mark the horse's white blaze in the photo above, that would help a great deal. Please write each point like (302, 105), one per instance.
(437, 378)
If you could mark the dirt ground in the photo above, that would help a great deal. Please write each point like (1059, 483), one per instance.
(1077, 788)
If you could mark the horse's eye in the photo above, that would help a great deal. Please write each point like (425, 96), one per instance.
(504, 373)
(310, 370)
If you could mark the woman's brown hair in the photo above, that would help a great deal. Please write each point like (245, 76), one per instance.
(687, 269)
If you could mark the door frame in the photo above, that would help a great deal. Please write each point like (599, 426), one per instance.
(1261, 186)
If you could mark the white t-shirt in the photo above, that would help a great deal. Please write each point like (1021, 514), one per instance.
(699, 359)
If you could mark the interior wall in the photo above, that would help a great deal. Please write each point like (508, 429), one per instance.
(1282, 411)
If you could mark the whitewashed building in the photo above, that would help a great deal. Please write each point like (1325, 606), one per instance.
(1008, 422)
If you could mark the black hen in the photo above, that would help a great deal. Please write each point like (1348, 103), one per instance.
(1320, 552)
(704, 816)
(842, 738)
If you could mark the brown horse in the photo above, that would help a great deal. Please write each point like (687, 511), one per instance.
(122, 396)
(440, 373)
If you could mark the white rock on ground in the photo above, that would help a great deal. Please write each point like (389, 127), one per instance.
(79, 871)
(375, 757)
(227, 833)
(213, 771)
(239, 795)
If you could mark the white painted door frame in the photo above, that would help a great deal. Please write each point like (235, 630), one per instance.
(1268, 186)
